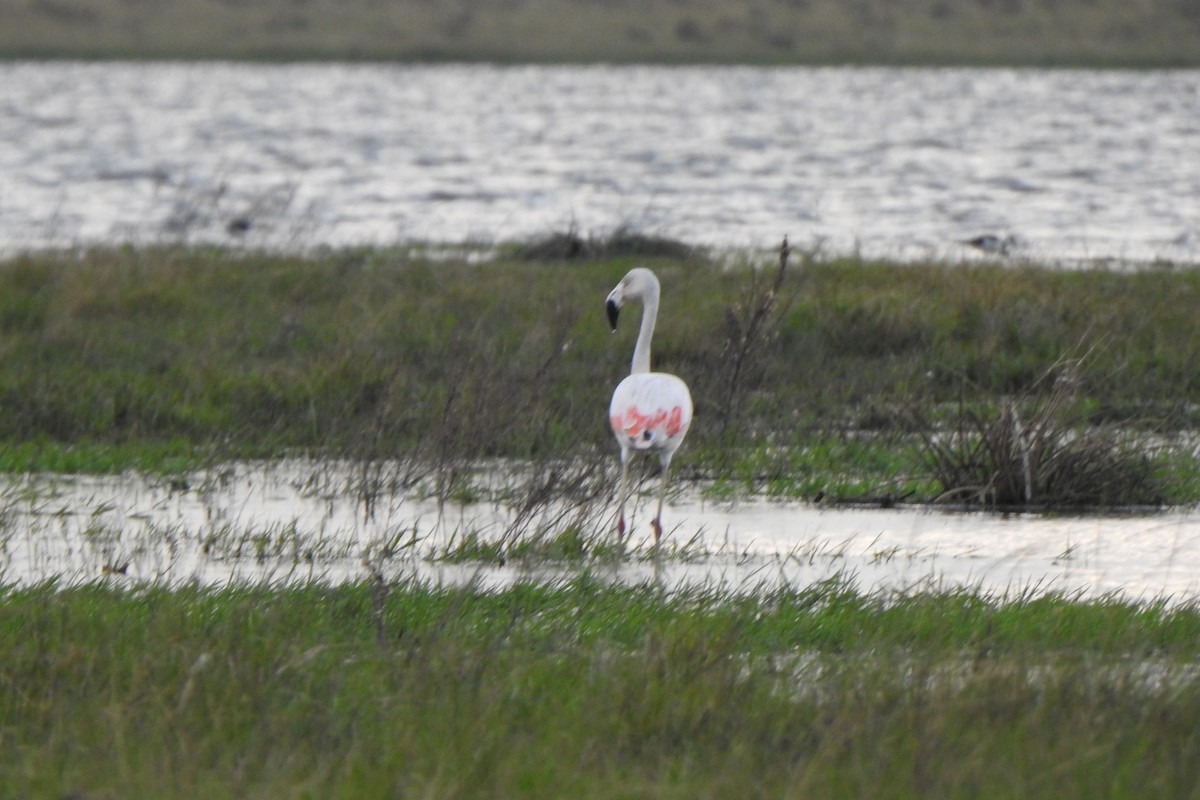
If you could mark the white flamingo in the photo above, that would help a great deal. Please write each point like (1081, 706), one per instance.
(650, 411)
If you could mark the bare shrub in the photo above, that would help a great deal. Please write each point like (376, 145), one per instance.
(1038, 450)
(751, 323)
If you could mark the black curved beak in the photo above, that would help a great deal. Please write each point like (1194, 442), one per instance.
(613, 310)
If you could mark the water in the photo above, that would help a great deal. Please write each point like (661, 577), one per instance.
(899, 163)
(299, 521)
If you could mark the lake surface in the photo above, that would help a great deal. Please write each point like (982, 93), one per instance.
(900, 163)
(298, 521)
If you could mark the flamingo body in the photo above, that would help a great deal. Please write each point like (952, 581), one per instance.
(650, 412)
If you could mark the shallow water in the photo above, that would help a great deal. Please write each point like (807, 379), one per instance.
(299, 521)
(902, 163)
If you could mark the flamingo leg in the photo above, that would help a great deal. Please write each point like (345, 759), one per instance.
(662, 493)
(623, 494)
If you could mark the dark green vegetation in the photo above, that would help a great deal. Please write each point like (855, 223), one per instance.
(586, 690)
(839, 377)
(1022, 32)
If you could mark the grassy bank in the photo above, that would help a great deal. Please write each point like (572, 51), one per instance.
(817, 377)
(1023, 32)
(588, 690)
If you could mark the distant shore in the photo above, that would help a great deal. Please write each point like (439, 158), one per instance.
(1075, 33)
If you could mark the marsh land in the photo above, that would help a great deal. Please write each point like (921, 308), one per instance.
(997, 384)
(811, 376)
(823, 376)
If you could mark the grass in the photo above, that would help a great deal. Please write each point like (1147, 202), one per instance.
(1010, 32)
(832, 378)
(820, 377)
(592, 690)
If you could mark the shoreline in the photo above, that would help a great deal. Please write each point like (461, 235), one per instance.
(1071, 33)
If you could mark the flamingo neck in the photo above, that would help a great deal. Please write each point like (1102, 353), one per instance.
(641, 351)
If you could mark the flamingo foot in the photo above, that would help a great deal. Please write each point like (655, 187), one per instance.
(657, 531)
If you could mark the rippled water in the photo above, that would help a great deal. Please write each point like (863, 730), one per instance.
(892, 162)
(298, 521)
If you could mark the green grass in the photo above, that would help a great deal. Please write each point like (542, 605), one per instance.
(164, 359)
(586, 689)
(863, 468)
(1021, 32)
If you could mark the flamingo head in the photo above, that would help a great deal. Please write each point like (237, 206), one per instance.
(637, 284)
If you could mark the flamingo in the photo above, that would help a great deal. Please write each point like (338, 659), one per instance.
(650, 411)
